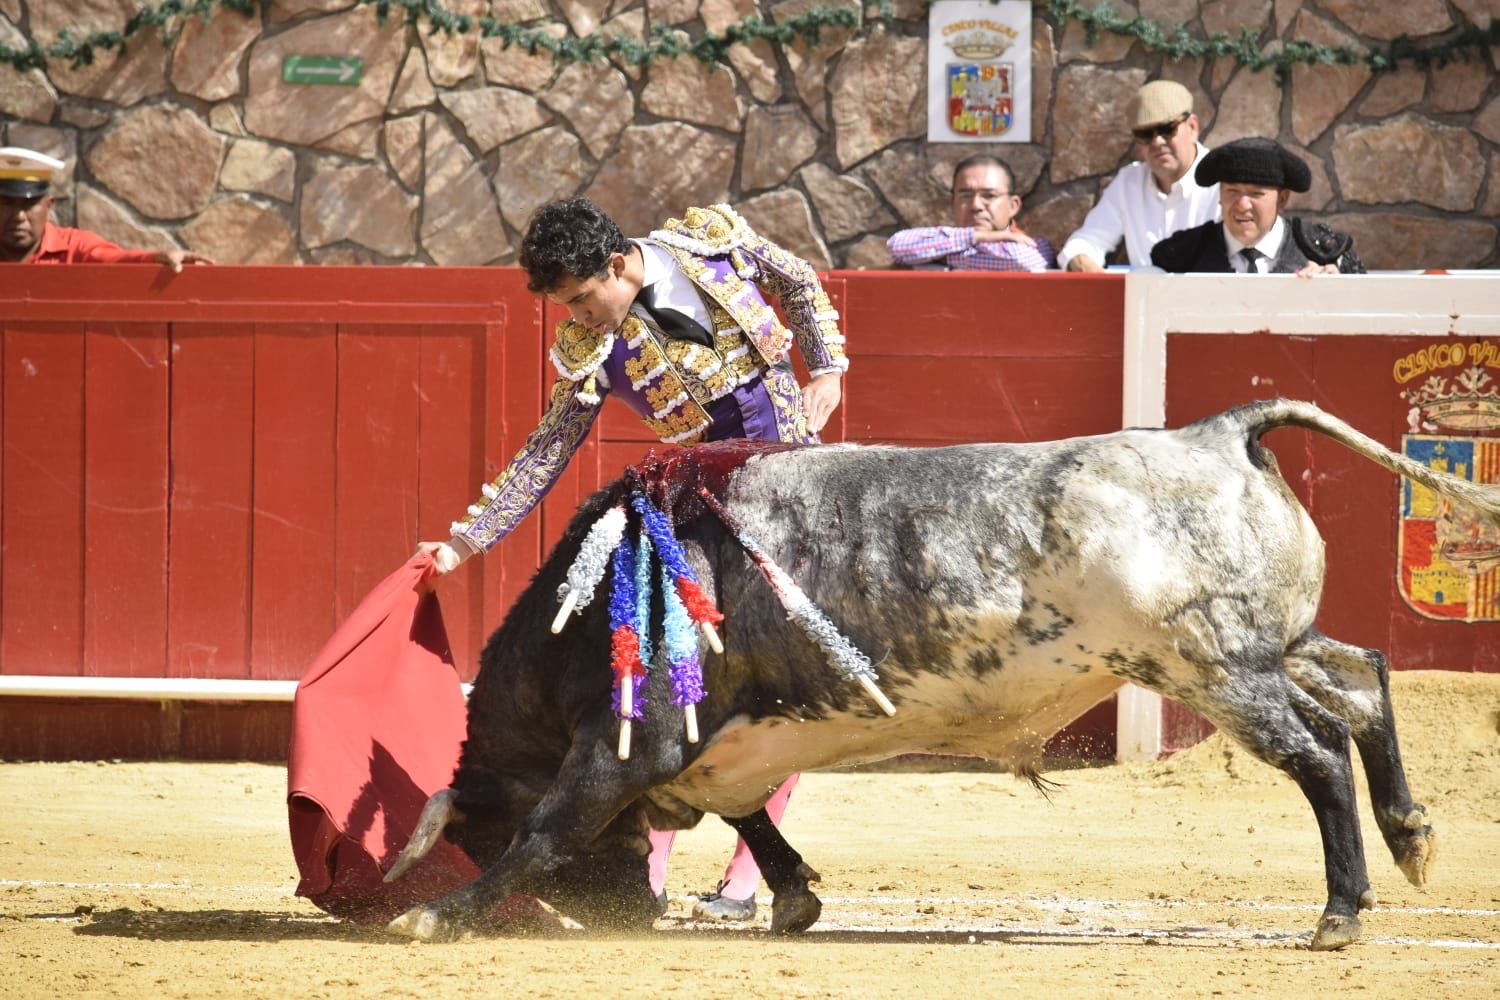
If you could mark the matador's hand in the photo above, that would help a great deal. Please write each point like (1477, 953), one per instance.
(446, 556)
(820, 397)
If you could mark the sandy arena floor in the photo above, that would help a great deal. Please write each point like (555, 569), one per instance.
(1195, 877)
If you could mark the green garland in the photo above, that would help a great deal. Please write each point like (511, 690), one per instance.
(664, 41)
(1245, 47)
(80, 51)
(712, 49)
(1175, 44)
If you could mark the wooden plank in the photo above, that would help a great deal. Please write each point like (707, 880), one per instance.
(573, 486)
(507, 417)
(982, 399)
(517, 381)
(450, 448)
(1353, 502)
(209, 533)
(41, 600)
(837, 287)
(376, 476)
(101, 728)
(295, 455)
(961, 314)
(127, 391)
(324, 294)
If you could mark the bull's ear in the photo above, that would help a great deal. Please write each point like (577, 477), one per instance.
(436, 815)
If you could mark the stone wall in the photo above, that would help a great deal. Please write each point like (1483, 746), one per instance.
(445, 147)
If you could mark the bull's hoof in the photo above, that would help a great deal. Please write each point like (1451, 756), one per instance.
(1417, 853)
(793, 913)
(1335, 932)
(424, 923)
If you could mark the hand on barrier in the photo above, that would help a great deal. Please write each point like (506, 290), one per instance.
(176, 258)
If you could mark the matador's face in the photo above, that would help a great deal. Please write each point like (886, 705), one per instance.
(599, 302)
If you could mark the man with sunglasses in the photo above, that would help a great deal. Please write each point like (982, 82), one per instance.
(27, 235)
(984, 236)
(1155, 197)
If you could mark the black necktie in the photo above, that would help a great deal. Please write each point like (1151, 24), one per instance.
(1251, 255)
(674, 324)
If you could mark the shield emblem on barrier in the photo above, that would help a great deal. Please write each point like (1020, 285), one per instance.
(980, 101)
(1448, 556)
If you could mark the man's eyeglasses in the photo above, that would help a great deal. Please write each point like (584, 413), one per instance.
(984, 194)
(1166, 131)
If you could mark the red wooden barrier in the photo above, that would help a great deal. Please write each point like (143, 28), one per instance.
(1354, 502)
(202, 473)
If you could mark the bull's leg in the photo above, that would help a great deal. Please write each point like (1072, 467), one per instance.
(591, 788)
(1279, 723)
(794, 908)
(1354, 683)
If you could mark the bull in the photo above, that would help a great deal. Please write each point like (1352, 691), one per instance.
(1002, 589)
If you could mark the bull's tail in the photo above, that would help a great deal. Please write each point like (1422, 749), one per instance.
(1258, 418)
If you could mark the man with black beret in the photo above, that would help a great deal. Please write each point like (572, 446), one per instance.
(1256, 177)
(27, 235)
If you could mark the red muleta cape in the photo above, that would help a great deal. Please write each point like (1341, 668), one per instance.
(376, 728)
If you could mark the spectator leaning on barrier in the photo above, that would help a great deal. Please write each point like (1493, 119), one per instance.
(677, 326)
(1155, 197)
(984, 236)
(1256, 177)
(27, 235)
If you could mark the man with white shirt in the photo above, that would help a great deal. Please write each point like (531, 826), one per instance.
(1256, 177)
(1154, 197)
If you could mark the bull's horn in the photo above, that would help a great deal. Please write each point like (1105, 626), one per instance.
(436, 815)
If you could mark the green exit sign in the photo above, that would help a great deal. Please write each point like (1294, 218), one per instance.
(337, 70)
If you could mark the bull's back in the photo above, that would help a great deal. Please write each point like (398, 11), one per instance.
(1001, 590)
(1138, 521)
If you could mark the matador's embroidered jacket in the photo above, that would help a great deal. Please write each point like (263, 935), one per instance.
(671, 383)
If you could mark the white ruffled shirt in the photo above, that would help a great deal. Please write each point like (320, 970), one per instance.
(673, 289)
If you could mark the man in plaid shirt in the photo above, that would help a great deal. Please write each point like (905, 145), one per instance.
(986, 237)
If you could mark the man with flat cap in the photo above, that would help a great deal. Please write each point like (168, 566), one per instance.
(1256, 177)
(27, 235)
(1153, 197)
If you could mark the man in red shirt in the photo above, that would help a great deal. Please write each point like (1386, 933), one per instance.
(27, 237)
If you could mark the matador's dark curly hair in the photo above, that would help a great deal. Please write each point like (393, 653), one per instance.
(567, 238)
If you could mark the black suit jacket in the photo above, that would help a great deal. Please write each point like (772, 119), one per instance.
(1202, 250)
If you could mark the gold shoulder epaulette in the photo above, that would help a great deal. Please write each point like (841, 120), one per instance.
(577, 352)
(710, 231)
